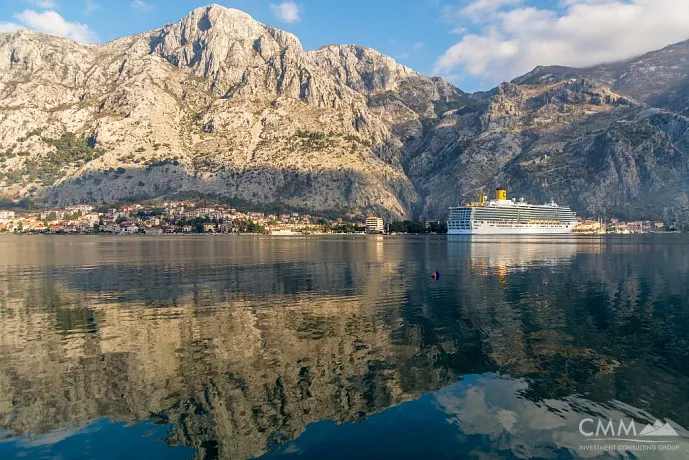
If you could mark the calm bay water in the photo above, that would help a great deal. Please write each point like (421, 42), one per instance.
(340, 347)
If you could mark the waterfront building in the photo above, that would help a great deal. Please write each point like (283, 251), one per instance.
(374, 225)
(588, 226)
(79, 209)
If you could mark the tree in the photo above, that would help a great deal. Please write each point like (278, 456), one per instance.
(397, 227)
(345, 227)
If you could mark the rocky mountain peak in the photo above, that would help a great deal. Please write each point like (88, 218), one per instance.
(659, 78)
(18, 33)
(394, 90)
(32, 57)
(362, 69)
(215, 10)
(221, 104)
(222, 44)
(216, 21)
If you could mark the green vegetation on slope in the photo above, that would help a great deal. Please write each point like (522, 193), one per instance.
(70, 150)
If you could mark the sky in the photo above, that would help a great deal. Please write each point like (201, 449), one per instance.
(475, 44)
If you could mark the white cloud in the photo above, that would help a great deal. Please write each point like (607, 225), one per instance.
(479, 7)
(579, 2)
(50, 22)
(91, 6)
(45, 4)
(286, 11)
(9, 27)
(515, 39)
(141, 5)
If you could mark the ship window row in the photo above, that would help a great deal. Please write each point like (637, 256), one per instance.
(520, 217)
(464, 222)
(493, 215)
(526, 226)
(522, 221)
(468, 225)
(519, 211)
(525, 213)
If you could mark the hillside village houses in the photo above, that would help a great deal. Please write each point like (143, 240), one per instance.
(170, 217)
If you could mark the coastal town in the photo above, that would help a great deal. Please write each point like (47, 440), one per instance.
(187, 217)
(178, 217)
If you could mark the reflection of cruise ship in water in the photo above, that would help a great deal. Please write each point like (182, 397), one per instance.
(503, 216)
(484, 254)
(520, 252)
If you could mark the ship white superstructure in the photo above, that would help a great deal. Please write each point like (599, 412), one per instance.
(509, 217)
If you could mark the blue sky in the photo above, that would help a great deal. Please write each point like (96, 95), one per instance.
(474, 43)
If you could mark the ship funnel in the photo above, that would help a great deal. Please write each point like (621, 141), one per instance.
(501, 193)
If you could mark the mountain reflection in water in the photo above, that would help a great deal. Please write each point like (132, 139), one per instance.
(240, 346)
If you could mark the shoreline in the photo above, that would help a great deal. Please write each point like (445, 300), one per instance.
(508, 236)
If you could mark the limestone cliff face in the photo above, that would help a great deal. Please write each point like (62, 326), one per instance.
(575, 141)
(220, 104)
(371, 73)
(238, 56)
(652, 77)
(399, 96)
(216, 104)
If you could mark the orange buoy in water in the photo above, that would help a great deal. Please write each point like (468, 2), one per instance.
(435, 275)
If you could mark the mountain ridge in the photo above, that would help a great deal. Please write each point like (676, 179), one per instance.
(221, 104)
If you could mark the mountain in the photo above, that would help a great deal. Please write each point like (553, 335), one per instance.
(220, 104)
(216, 104)
(659, 78)
(572, 141)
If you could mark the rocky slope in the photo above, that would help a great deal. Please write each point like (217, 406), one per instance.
(573, 141)
(609, 140)
(396, 94)
(217, 103)
(221, 104)
(656, 77)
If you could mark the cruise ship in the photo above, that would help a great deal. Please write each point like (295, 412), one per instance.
(509, 217)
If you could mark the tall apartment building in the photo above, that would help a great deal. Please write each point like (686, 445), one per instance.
(374, 225)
